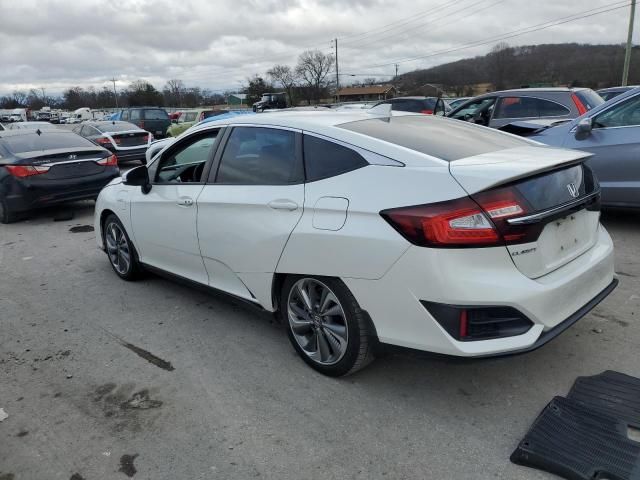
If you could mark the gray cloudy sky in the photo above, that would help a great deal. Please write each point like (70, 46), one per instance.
(217, 44)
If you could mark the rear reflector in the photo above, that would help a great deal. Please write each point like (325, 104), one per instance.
(465, 323)
(111, 161)
(427, 112)
(26, 170)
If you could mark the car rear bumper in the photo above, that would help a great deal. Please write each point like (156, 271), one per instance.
(130, 155)
(482, 277)
(30, 193)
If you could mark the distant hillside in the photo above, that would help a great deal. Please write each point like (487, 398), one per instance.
(595, 66)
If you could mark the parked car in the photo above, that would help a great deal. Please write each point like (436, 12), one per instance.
(424, 105)
(611, 132)
(152, 119)
(49, 167)
(189, 118)
(270, 101)
(31, 126)
(402, 225)
(455, 102)
(609, 93)
(126, 140)
(496, 109)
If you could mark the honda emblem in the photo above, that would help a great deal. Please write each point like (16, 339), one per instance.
(573, 190)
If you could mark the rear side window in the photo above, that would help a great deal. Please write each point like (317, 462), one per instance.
(589, 98)
(32, 142)
(135, 115)
(155, 114)
(324, 159)
(528, 107)
(260, 156)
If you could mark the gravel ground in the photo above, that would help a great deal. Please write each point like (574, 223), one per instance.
(104, 379)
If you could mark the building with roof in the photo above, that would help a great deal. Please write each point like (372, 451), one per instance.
(237, 99)
(361, 94)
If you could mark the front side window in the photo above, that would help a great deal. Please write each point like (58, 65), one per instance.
(324, 159)
(260, 156)
(185, 163)
(624, 114)
(478, 108)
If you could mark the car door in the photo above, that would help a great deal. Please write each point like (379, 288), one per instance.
(615, 142)
(253, 201)
(164, 219)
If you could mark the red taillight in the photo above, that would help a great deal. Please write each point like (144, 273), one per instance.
(103, 141)
(111, 161)
(26, 170)
(465, 222)
(427, 112)
(141, 124)
(148, 138)
(578, 103)
(456, 223)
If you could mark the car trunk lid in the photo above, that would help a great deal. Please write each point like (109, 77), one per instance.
(133, 138)
(559, 196)
(64, 163)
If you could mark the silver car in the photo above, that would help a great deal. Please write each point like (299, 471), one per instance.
(497, 109)
(612, 133)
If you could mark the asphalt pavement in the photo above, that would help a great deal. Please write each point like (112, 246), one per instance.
(106, 379)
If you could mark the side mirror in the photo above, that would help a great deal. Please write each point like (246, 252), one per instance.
(138, 176)
(584, 127)
(439, 108)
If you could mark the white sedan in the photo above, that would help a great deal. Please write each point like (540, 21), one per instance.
(360, 228)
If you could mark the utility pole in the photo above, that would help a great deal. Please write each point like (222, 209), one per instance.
(337, 74)
(627, 53)
(115, 92)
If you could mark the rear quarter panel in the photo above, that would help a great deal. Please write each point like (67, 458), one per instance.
(364, 245)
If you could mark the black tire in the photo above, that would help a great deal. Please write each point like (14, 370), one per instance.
(361, 338)
(126, 270)
(6, 215)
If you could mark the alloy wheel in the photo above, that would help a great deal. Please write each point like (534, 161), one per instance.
(317, 321)
(118, 248)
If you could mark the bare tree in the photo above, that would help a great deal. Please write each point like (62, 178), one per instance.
(174, 90)
(285, 76)
(19, 97)
(313, 68)
(500, 61)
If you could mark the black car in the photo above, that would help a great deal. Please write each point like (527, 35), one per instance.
(40, 168)
(424, 105)
(152, 119)
(125, 139)
(270, 101)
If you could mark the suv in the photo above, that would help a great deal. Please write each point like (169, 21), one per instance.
(270, 101)
(497, 109)
(425, 105)
(152, 119)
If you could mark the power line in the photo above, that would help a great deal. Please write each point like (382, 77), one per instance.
(512, 34)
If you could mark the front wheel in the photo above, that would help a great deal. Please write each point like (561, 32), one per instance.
(121, 252)
(326, 325)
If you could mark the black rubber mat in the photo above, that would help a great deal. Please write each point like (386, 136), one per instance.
(611, 393)
(573, 441)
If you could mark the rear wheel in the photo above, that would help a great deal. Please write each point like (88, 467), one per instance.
(6, 215)
(120, 250)
(326, 325)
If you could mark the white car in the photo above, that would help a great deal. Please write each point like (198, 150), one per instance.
(359, 229)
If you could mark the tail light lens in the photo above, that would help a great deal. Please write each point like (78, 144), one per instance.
(26, 170)
(427, 112)
(465, 222)
(578, 103)
(141, 124)
(103, 141)
(111, 161)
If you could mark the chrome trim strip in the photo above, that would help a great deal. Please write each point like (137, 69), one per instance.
(51, 164)
(552, 211)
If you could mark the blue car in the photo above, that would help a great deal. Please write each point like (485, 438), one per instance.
(611, 132)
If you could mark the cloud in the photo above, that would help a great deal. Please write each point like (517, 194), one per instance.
(56, 43)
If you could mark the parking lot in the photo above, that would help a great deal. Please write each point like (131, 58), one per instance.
(106, 379)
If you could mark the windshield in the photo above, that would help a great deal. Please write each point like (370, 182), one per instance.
(47, 141)
(155, 114)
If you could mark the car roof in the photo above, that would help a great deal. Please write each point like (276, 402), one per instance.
(617, 89)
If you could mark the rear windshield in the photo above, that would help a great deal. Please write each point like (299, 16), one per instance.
(31, 142)
(116, 127)
(155, 114)
(589, 98)
(439, 137)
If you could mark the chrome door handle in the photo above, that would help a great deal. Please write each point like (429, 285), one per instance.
(185, 201)
(289, 205)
